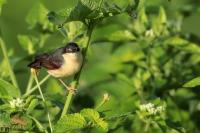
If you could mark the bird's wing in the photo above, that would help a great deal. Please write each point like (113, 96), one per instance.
(37, 63)
(52, 62)
(47, 61)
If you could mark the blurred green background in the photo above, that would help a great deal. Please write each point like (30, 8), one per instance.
(109, 68)
(14, 13)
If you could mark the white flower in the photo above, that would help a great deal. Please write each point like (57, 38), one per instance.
(151, 108)
(16, 103)
(110, 14)
(160, 109)
(106, 97)
(12, 104)
(149, 33)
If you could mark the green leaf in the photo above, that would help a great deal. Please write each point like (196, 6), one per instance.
(140, 4)
(32, 105)
(5, 119)
(140, 24)
(162, 125)
(2, 2)
(90, 114)
(84, 10)
(93, 116)
(122, 36)
(7, 90)
(142, 16)
(5, 106)
(124, 78)
(159, 23)
(73, 30)
(78, 13)
(28, 121)
(38, 124)
(37, 15)
(162, 16)
(183, 44)
(26, 43)
(110, 10)
(29, 99)
(69, 123)
(193, 83)
(175, 125)
(4, 67)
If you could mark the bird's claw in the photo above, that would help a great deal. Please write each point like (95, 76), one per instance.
(72, 90)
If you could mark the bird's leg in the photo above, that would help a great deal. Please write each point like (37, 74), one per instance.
(69, 88)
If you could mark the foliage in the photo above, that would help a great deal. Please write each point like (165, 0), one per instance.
(142, 60)
(2, 2)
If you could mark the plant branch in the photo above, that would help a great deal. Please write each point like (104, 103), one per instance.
(75, 82)
(106, 98)
(35, 87)
(43, 99)
(38, 124)
(30, 83)
(5, 54)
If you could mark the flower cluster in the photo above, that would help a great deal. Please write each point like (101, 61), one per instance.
(150, 33)
(16, 103)
(151, 109)
(106, 97)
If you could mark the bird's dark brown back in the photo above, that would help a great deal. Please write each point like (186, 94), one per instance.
(47, 61)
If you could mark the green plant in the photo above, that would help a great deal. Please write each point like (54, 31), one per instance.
(135, 54)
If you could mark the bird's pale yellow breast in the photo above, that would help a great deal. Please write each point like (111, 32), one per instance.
(72, 64)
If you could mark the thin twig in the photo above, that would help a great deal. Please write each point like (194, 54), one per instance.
(30, 83)
(64, 84)
(5, 54)
(106, 98)
(43, 99)
(35, 87)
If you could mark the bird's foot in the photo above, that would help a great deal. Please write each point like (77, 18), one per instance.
(34, 71)
(69, 88)
(72, 90)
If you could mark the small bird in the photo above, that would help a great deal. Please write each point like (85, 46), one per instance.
(63, 62)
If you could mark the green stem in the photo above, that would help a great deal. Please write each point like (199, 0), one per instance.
(146, 128)
(75, 82)
(63, 32)
(67, 104)
(38, 124)
(35, 87)
(30, 83)
(12, 75)
(151, 71)
(43, 99)
(100, 104)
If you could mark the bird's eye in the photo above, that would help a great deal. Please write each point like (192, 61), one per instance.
(77, 49)
(72, 49)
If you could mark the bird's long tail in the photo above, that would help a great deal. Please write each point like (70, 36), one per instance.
(37, 63)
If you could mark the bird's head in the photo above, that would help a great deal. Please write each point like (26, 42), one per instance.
(71, 47)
